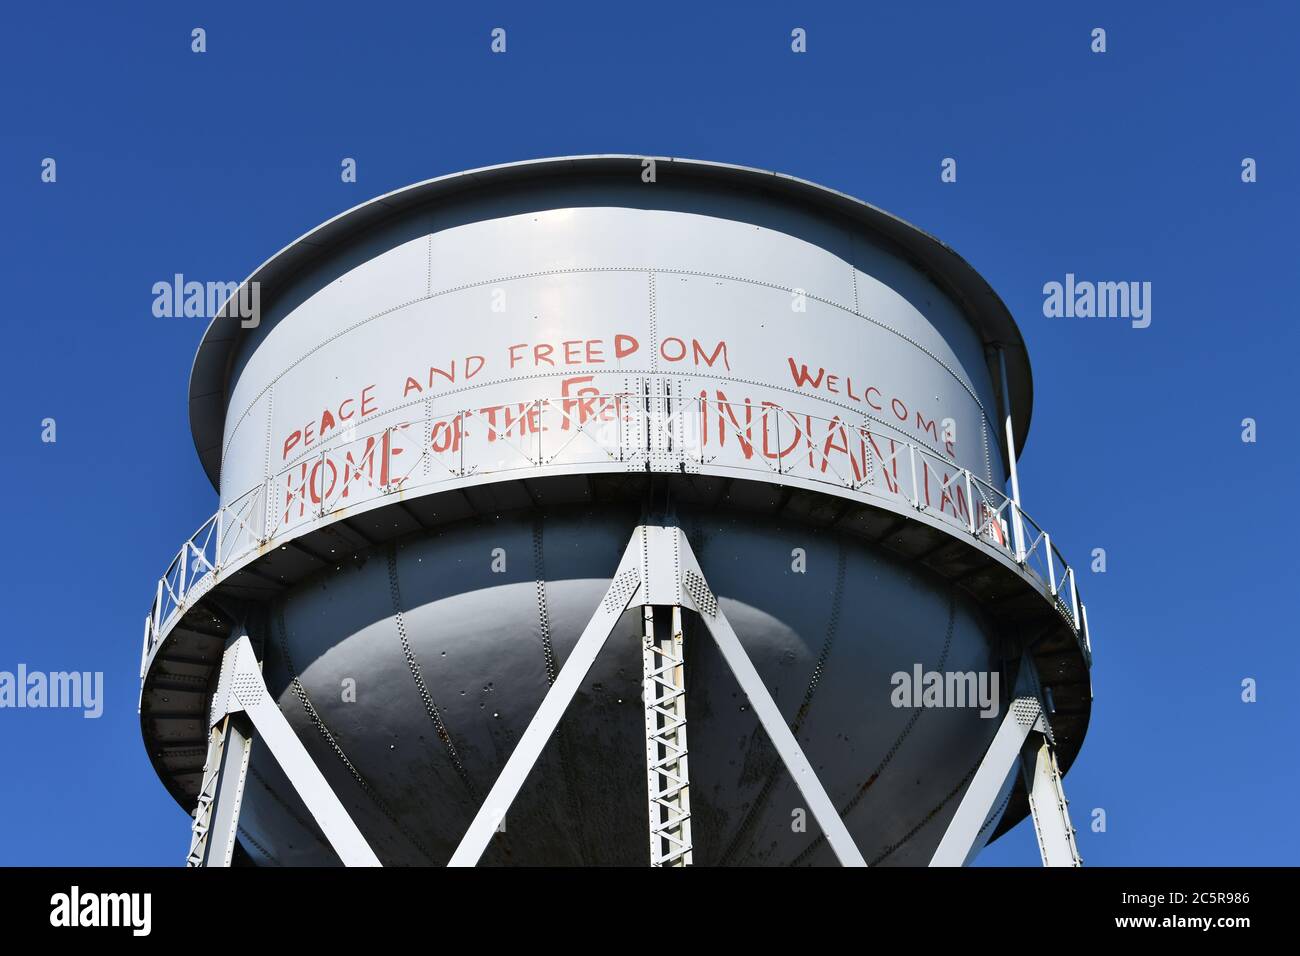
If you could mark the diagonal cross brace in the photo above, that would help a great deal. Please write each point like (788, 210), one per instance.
(961, 841)
(625, 586)
(657, 568)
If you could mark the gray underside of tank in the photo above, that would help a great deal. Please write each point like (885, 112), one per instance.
(411, 671)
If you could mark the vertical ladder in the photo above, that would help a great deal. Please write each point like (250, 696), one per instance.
(663, 689)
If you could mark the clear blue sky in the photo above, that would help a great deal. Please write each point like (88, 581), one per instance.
(1121, 166)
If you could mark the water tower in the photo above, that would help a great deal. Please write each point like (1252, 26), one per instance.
(607, 510)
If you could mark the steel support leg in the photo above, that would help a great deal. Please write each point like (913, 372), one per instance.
(241, 694)
(1048, 806)
(216, 817)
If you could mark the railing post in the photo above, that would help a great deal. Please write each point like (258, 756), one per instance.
(539, 433)
(221, 524)
(1018, 531)
(1074, 599)
(778, 441)
(911, 457)
(324, 458)
(618, 420)
(267, 487)
(1008, 428)
(181, 581)
(868, 468)
(1087, 638)
(157, 608)
(148, 644)
(970, 500)
(1051, 565)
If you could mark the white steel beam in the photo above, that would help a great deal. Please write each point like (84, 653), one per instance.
(1007, 426)
(769, 715)
(1049, 808)
(962, 840)
(216, 816)
(236, 752)
(1017, 528)
(625, 585)
(698, 597)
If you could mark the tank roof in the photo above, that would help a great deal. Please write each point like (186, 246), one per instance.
(213, 364)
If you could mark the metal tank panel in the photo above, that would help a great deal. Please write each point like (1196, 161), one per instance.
(595, 299)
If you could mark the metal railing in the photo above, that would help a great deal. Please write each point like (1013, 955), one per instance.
(622, 432)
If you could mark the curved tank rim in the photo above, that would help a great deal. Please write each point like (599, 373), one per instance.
(983, 307)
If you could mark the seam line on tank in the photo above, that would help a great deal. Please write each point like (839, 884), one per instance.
(832, 629)
(961, 785)
(428, 434)
(270, 417)
(898, 741)
(301, 694)
(564, 747)
(430, 708)
(543, 616)
(654, 328)
(774, 772)
(310, 828)
(258, 846)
